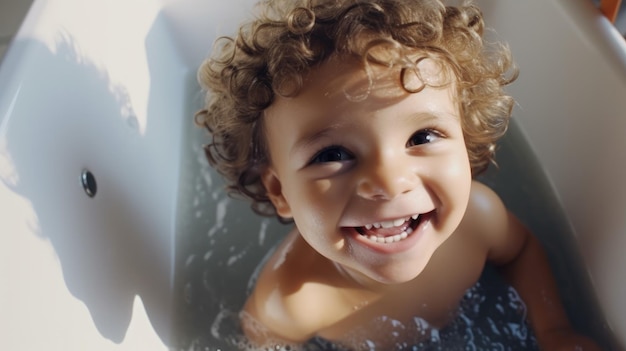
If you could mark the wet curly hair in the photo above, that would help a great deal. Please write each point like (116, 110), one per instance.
(272, 54)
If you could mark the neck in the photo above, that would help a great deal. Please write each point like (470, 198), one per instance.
(360, 281)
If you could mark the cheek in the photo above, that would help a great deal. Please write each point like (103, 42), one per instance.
(461, 184)
(316, 202)
(458, 174)
(453, 184)
(317, 193)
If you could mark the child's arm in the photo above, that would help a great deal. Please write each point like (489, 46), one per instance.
(523, 262)
(529, 272)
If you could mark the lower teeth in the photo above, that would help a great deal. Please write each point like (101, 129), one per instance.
(391, 239)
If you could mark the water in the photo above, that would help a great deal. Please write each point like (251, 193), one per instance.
(491, 316)
(221, 243)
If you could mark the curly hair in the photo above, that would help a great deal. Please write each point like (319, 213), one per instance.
(271, 55)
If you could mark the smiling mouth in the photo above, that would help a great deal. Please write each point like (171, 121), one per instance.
(388, 232)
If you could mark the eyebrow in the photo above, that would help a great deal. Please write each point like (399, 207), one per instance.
(309, 140)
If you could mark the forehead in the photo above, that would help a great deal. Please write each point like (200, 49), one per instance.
(347, 82)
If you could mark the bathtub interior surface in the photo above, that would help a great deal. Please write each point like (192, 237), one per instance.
(101, 88)
(161, 257)
(219, 244)
(571, 107)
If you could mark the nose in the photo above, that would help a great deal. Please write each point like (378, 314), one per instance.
(386, 176)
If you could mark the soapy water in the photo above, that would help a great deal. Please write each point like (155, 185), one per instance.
(221, 246)
(491, 316)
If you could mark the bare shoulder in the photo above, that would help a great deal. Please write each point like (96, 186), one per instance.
(487, 216)
(279, 310)
(485, 212)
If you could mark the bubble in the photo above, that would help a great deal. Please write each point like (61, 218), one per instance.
(189, 260)
(263, 230)
(187, 293)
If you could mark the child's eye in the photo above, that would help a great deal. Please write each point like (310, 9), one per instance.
(423, 136)
(332, 154)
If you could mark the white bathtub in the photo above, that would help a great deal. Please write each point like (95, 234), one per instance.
(109, 87)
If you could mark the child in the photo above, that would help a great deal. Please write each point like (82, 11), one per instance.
(364, 123)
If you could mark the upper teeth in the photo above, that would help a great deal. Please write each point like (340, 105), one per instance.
(389, 224)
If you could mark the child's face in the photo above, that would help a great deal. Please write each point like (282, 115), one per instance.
(342, 166)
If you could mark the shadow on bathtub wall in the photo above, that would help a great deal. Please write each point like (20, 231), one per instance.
(110, 247)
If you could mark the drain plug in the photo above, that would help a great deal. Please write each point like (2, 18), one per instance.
(89, 183)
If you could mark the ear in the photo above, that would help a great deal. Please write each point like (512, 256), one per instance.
(272, 185)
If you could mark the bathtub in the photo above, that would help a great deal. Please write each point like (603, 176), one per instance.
(115, 234)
